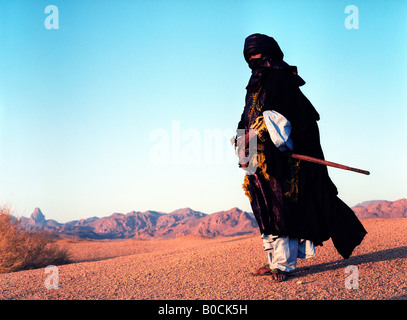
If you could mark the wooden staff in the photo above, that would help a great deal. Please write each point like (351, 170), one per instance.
(326, 163)
(250, 135)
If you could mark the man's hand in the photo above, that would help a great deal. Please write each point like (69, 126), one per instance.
(243, 141)
(242, 158)
(242, 147)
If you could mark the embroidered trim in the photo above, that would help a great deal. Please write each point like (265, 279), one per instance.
(255, 106)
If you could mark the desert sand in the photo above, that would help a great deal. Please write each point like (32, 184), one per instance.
(201, 268)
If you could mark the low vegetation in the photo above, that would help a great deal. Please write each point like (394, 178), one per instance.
(21, 249)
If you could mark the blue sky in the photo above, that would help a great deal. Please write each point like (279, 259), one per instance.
(85, 109)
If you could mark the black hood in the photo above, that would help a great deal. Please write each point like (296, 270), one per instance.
(261, 43)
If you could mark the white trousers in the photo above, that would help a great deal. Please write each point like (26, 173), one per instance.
(283, 251)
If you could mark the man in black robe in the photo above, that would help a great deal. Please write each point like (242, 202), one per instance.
(295, 202)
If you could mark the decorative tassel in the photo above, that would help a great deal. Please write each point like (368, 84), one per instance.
(261, 164)
(260, 161)
(246, 187)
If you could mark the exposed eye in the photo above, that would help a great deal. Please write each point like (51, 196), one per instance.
(255, 56)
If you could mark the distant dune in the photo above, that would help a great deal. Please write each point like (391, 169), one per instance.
(183, 222)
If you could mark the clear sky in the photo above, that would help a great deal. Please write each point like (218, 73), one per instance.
(129, 105)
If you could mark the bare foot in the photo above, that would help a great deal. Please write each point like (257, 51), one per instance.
(278, 275)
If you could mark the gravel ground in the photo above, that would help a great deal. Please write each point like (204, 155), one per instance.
(198, 268)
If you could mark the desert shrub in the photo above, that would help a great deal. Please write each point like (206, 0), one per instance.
(21, 249)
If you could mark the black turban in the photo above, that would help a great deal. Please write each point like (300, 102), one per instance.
(260, 43)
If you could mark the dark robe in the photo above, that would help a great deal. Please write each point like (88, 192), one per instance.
(298, 198)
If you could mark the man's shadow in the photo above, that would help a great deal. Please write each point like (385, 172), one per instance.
(382, 255)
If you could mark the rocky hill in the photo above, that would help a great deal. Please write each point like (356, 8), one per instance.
(381, 209)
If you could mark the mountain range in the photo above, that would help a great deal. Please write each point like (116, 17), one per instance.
(182, 222)
(381, 209)
(149, 224)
